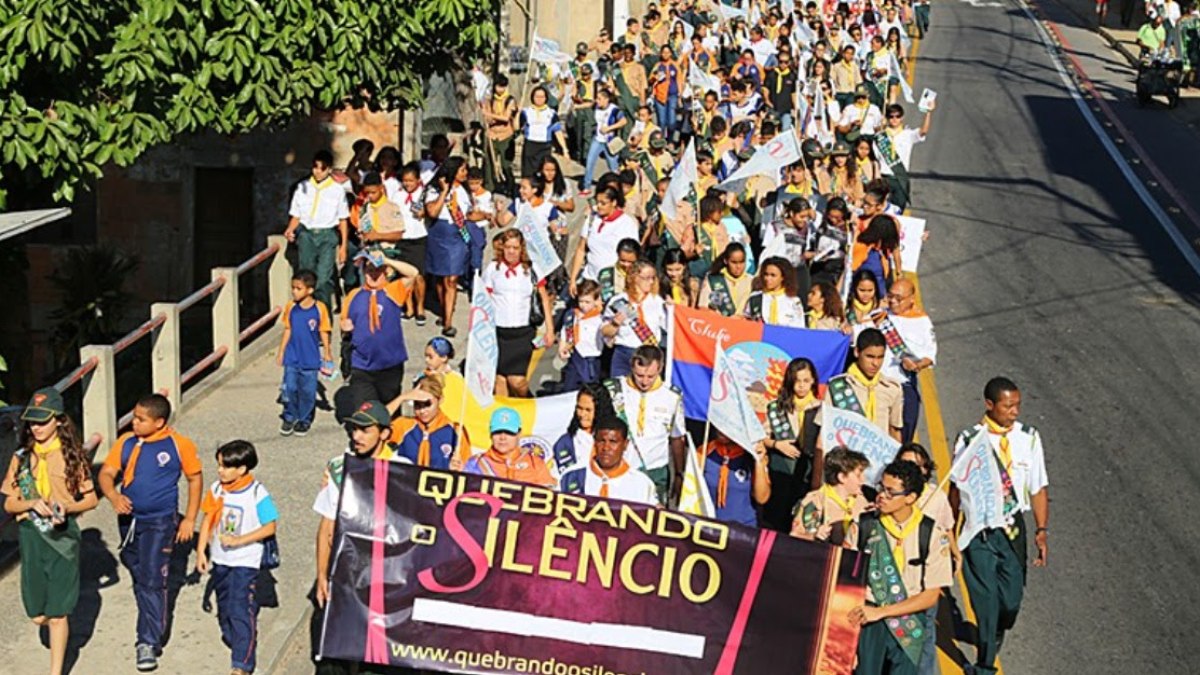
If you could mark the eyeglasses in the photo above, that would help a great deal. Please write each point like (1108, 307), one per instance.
(889, 494)
(894, 296)
(421, 405)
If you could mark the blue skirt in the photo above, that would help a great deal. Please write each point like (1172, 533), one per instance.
(446, 253)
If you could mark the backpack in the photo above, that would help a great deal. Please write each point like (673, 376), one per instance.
(270, 552)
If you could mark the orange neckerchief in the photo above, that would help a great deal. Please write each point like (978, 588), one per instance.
(127, 470)
(580, 317)
(213, 506)
(727, 450)
(439, 421)
(606, 476)
(373, 320)
(497, 459)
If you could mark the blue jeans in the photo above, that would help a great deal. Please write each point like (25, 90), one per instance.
(318, 254)
(665, 112)
(147, 555)
(299, 394)
(237, 612)
(594, 151)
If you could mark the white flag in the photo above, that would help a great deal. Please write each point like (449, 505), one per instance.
(904, 86)
(851, 430)
(483, 352)
(777, 153)
(546, 51)
(977, 477)
(694, 497)
(703, 81)
(912, 230)
(729, 407)
(537, 241)
(730, 13)
(683, 182)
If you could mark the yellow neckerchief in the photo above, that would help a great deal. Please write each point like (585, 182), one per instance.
(677, 293)
(328, 182)
(641, 418)
(780, 73)
(814, 315)
(862, 309)
(605, 476)
(847, 506)
(870, 383)
(731, 282)
(710, 229)
(862, 162)
(774, 313)
(500, 104)
(585, 94)
(42, 477)
(538, 108)
(804, 189)
(799, 405)
(900, 533)
(1005, 449)
(866, 109)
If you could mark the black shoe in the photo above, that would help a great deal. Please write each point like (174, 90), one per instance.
(301, 428)
(438, 321)
(421, 320)
(287, 428)
(449, 331)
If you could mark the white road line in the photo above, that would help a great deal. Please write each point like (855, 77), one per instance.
(1168, 226)
(621, 636)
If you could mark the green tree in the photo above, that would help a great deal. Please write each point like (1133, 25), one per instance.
(86, 82)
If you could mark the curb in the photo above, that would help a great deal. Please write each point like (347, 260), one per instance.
(1103, 32)
(294, 650)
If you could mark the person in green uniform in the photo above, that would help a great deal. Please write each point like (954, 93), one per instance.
(48, 484)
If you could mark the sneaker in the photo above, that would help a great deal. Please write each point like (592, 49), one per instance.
(449, 331)
(147, 660)
(287, 428)
(301, 428)
(438, 321)
(420, 319)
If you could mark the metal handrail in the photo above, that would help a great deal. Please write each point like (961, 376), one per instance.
(203, 365)
(257, 325)
(258, 259)
(201, 293)
(76, 375)
(138, 333)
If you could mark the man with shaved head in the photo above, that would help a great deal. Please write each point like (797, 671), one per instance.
(912, 347)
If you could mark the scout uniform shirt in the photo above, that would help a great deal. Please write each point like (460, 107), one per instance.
(715, 293)
(1027, 465)
(320, 206)
(654, 418)
(902, 142)
(56, 466)
(822, 507)
(433, 445)
(384, 216)
(620, 483)
(150, 468)
(377, 313)
(916, 330)
(889, 401)
(936, 571)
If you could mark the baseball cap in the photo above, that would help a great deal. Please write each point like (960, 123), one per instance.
(370, 413)
(582, 48)
(862, 90)
(505, 420)
(44, 405)
(657, 141)
(373, 255)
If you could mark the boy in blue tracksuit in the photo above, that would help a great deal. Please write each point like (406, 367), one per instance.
(306, 337)
(149, 461)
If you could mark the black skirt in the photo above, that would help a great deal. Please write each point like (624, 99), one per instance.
(516, 349)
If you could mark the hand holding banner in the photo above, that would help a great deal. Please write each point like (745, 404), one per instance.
(977, 477)
(537, 241)
(845, 428)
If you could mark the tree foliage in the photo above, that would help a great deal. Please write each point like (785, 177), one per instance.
(86, 82)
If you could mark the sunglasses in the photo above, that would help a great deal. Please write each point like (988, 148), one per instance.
(421, 405)
(894, 116)
(889, 494)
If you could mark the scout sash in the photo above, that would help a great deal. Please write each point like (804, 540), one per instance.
(648, 167)
(720, 297)
(887, 151)
(887, 587)
(781, 430)
(627, 102)
(1010, 496)
(460, 219)
(639, 327)
(894, 340)
(842, 395)
(754, 307)
(616, 393)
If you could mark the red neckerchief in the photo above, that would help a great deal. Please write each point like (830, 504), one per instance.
(408, 196)
(617, 213)
(510, 270)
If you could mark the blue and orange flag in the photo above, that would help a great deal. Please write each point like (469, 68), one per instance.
(760, 352)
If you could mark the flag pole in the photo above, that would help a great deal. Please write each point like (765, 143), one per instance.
(708, 417)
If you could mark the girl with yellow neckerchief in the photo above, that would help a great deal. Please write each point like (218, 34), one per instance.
(48, 484)
(711, 237)
(825, 310)
(727, 287)
(794, 460)
(865, 304)
(866, 167)
(840, 177)
(677, 285)
(831, 512)
(776, 303)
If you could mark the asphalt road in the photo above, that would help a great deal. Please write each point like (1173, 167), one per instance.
(1044, 266)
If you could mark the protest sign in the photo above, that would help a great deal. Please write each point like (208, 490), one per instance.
(977, 476)
(546, 51)
(775, 154)
(445, 571)
(849, 429)
(483, 352)
(537, 241)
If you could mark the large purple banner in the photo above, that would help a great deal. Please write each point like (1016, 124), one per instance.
(445, 571)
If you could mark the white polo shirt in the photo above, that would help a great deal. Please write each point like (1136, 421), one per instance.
(649, 443)
(917, 332)
(411, 209)
(512, 291)
(320, 206)
(788, 310)
(602, 238)
(654, 314)
(871, 124)
(631, 486)
(1028, 472)
(584, 333)
(464, 202)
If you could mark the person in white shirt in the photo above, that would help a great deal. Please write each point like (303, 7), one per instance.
(319, 224)
(862, 118)
(581, 344)
(895, 146)
(598, 240)
(411, 247)
(654, 412)
(916, 351)
(608, 473)
(370, 435)
(994, 558)
(510, 280)
(634, 318)
(778, 303)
